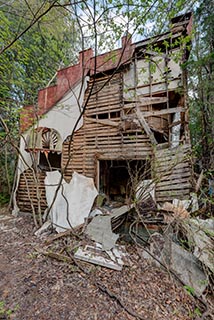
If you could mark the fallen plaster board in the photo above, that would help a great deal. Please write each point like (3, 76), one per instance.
(187, 268)
(96, 256)
(73, 201)
(99, 230)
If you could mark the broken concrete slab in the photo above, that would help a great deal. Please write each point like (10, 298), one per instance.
(182, 262)
(112, 259)
(99, 230)
(200, 234)
(187, 268)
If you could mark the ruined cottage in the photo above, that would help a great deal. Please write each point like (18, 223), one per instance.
(116, 117)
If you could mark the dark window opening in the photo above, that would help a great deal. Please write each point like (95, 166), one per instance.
(115, 114)
(119, 178)
(161, 137)
(106, 115)
(51, 162)
(103, 116)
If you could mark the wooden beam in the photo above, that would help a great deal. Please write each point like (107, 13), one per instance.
(153, 84)
(155, 54)
(145, 126)
(162, 112)
(106, 122)
(145, 101)
(158, 112)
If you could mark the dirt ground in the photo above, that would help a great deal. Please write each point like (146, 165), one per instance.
(36, 286)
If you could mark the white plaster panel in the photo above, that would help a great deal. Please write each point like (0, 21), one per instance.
(158, 69)
(142, 67)
(63, 116)
(73, 201)
(174, 65)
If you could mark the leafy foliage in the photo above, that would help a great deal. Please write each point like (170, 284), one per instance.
(201, 69)
(27, 65)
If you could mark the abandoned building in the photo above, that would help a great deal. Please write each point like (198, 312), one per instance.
(119, 117)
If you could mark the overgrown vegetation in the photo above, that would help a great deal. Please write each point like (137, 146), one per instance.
(201, 93)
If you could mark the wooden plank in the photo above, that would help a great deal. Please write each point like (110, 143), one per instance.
(163, 198)
(106, 122)
(172, 193)
(162, 112)
(166, 179)
(185, 148)
(124, 156)
(173, 187)
(99, 101)
(172, 166)
(146, 101)
(167, 163)
(176, 171)
(114, 89)
(169, 158)
(145, 126)
(105, 108)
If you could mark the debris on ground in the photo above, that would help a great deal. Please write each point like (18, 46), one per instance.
(99, 230)
(113, 259)
(44, 280)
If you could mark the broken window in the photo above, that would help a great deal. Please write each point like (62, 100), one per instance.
(46, 146)
(49, 161)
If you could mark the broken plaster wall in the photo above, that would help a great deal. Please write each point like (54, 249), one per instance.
(143, 73)
(62, 117)
(73, 201)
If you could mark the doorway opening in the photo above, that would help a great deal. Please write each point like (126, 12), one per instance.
(118, 179)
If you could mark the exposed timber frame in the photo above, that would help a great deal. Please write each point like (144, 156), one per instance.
(130, 103)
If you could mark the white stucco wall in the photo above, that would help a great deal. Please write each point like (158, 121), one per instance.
(62, 117)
